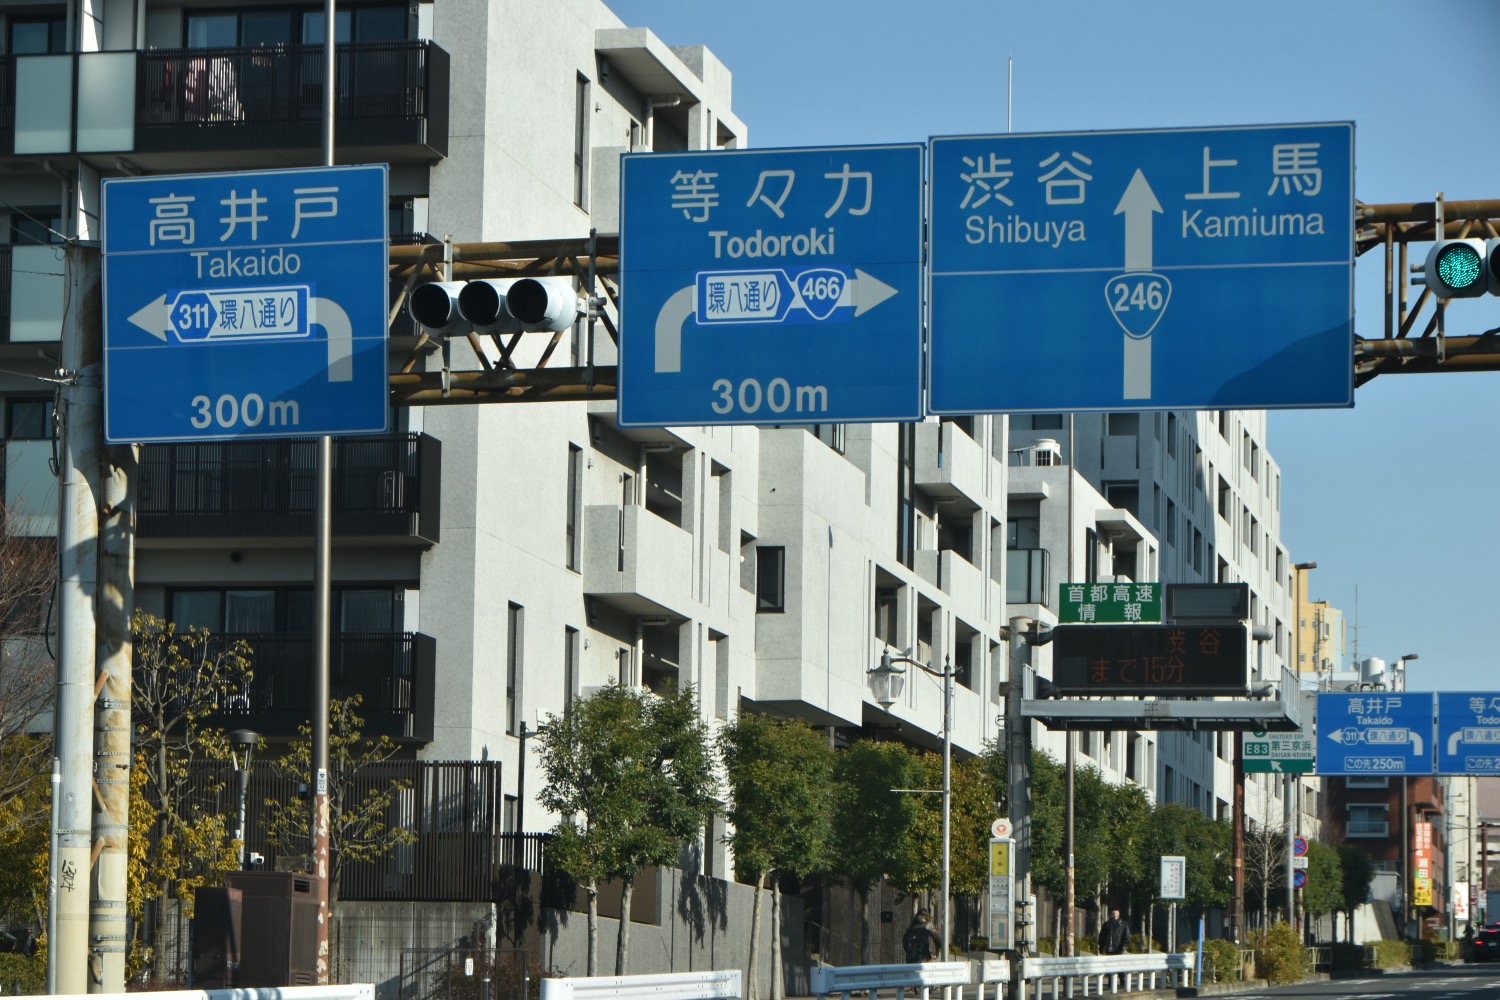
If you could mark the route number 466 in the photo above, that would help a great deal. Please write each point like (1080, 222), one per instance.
(1137, 300)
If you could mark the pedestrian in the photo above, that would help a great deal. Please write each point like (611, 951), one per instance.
(920, 941)
(1114, 935)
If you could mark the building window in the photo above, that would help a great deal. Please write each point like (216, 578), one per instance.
(885, 614)
(575, 512)
(570, 669)
(906, 512)
(28, 418)
(38, 34)
(1172, 434)
(1123, 424)
(833, 435)
(1125, 495)
(1367, 821)
(513, 652)
(580, 139)
(770, 578)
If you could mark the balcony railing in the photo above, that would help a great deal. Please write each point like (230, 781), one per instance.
(1367, 828)
(215, 99)
(382, 487)
(392, 672)
(1028, 577)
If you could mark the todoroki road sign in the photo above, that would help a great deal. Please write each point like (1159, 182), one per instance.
(1198, 659)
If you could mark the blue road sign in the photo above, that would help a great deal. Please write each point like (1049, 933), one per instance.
(1299, 878)
(777, 286)
(1204, 268)
(1375, 732)
(248, 304)
(1468, 735)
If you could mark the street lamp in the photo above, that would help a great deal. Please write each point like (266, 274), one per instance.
(246, 740)
(886, 681)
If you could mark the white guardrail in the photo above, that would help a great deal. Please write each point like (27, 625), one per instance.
(725, 985)
(352, 991)
(842, 980)
(1101, 971)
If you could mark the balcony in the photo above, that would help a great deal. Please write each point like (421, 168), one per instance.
(392, 672)
(1367, 828)
(953, 574)
(383, 487)
(637, 561)
(950, 464)
(31, 293)
(392, 97)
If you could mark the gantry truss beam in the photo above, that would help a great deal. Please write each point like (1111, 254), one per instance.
(1418, 335)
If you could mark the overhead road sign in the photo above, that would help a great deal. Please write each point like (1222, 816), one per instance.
(1468, 732)
(1375, 732)
(777, 286)
(1109, 603)
(1198, 659)
(244, 305)
(1176, 268)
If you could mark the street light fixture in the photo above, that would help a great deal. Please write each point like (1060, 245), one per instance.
(887, 679)
(246, 740)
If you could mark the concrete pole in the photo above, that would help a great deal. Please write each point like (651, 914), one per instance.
(947, 809)
(1070, 899)
(68, 959)
(1237, 824)
(1018, 767)
(1291, 832)
(107, 933)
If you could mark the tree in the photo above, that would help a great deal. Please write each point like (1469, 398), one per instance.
(872, 822)
(631, 775)
(1265, 868)
(179, 678)
(359, 802)
(1357, 871)
(781, 811)
(1324, 891)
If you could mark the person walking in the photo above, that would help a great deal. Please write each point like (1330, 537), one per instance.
(1114, 935)
(920, 941)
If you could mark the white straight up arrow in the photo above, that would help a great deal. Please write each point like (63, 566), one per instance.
(1138, 204)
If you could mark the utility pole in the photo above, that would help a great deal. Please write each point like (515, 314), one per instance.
(69, 962)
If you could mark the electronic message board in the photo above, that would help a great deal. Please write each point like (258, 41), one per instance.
(1205, 658)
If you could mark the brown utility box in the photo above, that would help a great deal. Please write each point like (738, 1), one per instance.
(279, 929)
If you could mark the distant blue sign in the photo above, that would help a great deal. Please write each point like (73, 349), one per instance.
(1468, 737)
(775, 286)
(1203, 268)
(241, 305)
(1375, 732)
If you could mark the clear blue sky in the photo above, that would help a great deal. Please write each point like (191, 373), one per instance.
(1393, 498)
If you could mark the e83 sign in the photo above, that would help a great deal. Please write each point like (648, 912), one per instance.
(1199, 659)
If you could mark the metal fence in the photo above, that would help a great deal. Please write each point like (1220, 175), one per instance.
(469, 974)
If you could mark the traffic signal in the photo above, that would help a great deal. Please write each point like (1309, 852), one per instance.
(1458, 269)
(495, 305)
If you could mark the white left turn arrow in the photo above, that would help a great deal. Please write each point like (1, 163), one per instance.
(155, 318)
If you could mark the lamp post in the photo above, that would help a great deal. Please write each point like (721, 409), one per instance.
(1406, 887)
(886, 681)
(246, 740)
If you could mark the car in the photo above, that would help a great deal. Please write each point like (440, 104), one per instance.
(1486, 945)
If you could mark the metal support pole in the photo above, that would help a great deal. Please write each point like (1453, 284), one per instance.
(1291, 889)
(1018, 767)
(322, 557)
(947, 808)
(1070, 899)
(1406, 893)
(1237, 822)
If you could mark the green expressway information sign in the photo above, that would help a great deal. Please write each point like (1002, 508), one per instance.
(1109, 603)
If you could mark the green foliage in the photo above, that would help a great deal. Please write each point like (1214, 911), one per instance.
(779, 774)
(22, 976)
(873, 834)
(1358, 872)
(631, 773)
(23, 841)
(358, 826)
(1222, 961)
(1324, 891)
(1391, 954)
(1282, 958)
(971, 813)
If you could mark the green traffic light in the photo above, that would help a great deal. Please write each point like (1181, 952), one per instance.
(1459, 266)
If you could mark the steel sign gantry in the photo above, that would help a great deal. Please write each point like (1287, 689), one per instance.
(1413, 339)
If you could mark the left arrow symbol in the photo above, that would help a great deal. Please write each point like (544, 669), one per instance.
(155, 318)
